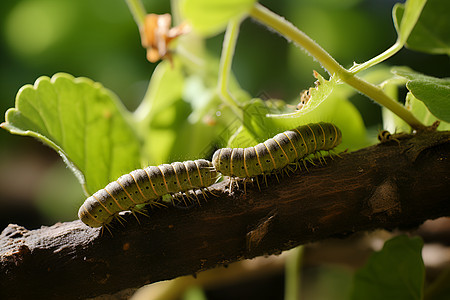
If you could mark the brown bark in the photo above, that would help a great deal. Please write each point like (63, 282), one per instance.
(398, 184)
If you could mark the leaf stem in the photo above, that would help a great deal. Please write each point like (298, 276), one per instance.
(226, 59)
(412, 11)
(138, 11)
(377, 59)
(377, 94)
(292, 33)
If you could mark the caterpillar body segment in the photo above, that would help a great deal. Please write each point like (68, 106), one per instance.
(278, 152)
(145, 186)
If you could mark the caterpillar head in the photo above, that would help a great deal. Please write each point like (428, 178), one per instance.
(93, 214)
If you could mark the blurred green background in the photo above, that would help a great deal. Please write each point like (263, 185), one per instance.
(99, 40)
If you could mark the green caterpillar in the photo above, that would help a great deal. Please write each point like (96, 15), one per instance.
(274, 154)
(145, 186)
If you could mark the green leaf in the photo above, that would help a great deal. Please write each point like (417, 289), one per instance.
(391, 121)
(433, 92)
(395, 272)
(160, 111)
(177, 118)
(323, 89)
(83, 121)
(421, 112)
(256, 127)
(404, 22)
(432, 31)
(211, 17)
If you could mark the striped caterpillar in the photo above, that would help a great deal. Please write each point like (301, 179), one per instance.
(145, 186)
(274, 154)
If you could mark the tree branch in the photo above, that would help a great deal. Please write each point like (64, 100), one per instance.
(400, 183)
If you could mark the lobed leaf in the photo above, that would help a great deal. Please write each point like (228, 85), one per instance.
(83, 121)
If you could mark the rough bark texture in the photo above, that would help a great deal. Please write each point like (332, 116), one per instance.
(400, 183)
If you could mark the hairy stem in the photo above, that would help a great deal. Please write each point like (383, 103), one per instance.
(377, 59)
(376, 93)
(412, 12)
(290, 32)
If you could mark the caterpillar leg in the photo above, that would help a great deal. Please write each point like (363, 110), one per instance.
(135, 216)
(317, 157)
(292, 167)
(119, 219)
(233, 181)
(178, 200)
(184, 201)
(287, 170)
(304, 164)
(106, 226)
(231, 185)
(330, 155)
(276, 176)
(337, 154)
(210, 192)
(203, 192)
(196, 197)
(183, 205)
(139, 211)
(157, 204)
(257, 182)
(136, 211)
(245, 184)
(191, 199)
(310, 160)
